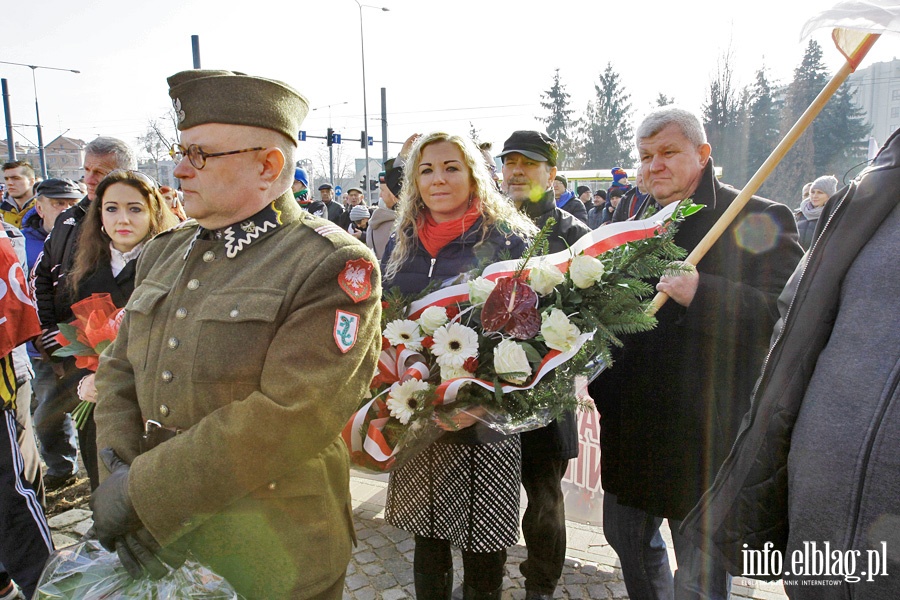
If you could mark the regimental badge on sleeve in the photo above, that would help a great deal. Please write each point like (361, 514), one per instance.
(356, 279)
(346, 330)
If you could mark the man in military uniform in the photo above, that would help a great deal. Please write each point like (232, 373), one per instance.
(251, 336)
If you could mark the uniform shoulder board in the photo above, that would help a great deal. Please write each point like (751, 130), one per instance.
(327, 230)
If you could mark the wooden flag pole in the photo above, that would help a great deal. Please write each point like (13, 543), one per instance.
(764, 171)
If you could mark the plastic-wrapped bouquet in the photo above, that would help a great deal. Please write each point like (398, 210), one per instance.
(86, 570)
(513, 340)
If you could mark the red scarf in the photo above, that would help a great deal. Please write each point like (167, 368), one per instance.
(434, 236)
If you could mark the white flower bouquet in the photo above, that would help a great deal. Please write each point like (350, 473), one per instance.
(512, 339)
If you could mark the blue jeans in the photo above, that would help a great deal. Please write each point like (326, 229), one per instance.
(53, 425)
(634, 535)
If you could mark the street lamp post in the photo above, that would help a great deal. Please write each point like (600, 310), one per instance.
(362, 45)
(330, 147)
(37, 110)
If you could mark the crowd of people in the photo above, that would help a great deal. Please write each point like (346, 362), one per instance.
(252, 329)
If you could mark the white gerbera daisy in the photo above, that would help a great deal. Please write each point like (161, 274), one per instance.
(404, 331)
(453, 344)
(406, 399)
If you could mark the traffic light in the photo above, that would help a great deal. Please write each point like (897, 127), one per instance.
(373, 185)
(362, 140)
(329, 137)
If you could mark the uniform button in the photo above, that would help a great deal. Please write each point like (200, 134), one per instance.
(167, 376)
(234, 313)
(181, 313)
(209, 256)
(193, 284)
(164, 410)
(272, 486)
(173, 342)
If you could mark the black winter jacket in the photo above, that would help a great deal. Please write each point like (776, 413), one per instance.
(748, 503)
(459, 256)
(576, 208)
(48, 274)
(671, 404)
(567, 230)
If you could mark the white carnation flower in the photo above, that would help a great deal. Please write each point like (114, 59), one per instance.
(432, 318)
(511, 363)
(404, 331)
(479, 289)
(585, 271)
(558, 331)
(405, 399)
(453, 344)
(545, 276)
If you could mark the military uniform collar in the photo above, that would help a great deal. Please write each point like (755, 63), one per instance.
(239, 236)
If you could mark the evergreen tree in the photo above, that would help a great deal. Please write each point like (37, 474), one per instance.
(841, 134)
(663, 100)
(559, 121)
(605, 132)
(801, 164)
(833, 143)
(762, 124)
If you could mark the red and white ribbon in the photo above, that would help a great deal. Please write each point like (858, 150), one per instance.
(373, 442)
(447, 390)
(593, 243)
(392, 365)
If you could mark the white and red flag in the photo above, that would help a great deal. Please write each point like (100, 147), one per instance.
(18, 317)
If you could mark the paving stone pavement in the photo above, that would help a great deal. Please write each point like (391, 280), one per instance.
(381, 566)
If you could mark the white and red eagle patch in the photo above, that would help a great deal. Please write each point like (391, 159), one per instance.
(356, 279)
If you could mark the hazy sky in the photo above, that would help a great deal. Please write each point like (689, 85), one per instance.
(444, 64)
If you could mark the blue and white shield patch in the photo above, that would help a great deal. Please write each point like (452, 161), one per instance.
(346, 328)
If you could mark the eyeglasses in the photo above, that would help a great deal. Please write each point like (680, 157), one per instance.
(198, 157)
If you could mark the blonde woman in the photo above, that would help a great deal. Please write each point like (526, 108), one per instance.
(464, 489)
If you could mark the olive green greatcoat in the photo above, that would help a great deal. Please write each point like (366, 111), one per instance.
(241, 353)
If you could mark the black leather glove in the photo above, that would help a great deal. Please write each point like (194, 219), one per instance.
(114, 515)
(139, 553)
